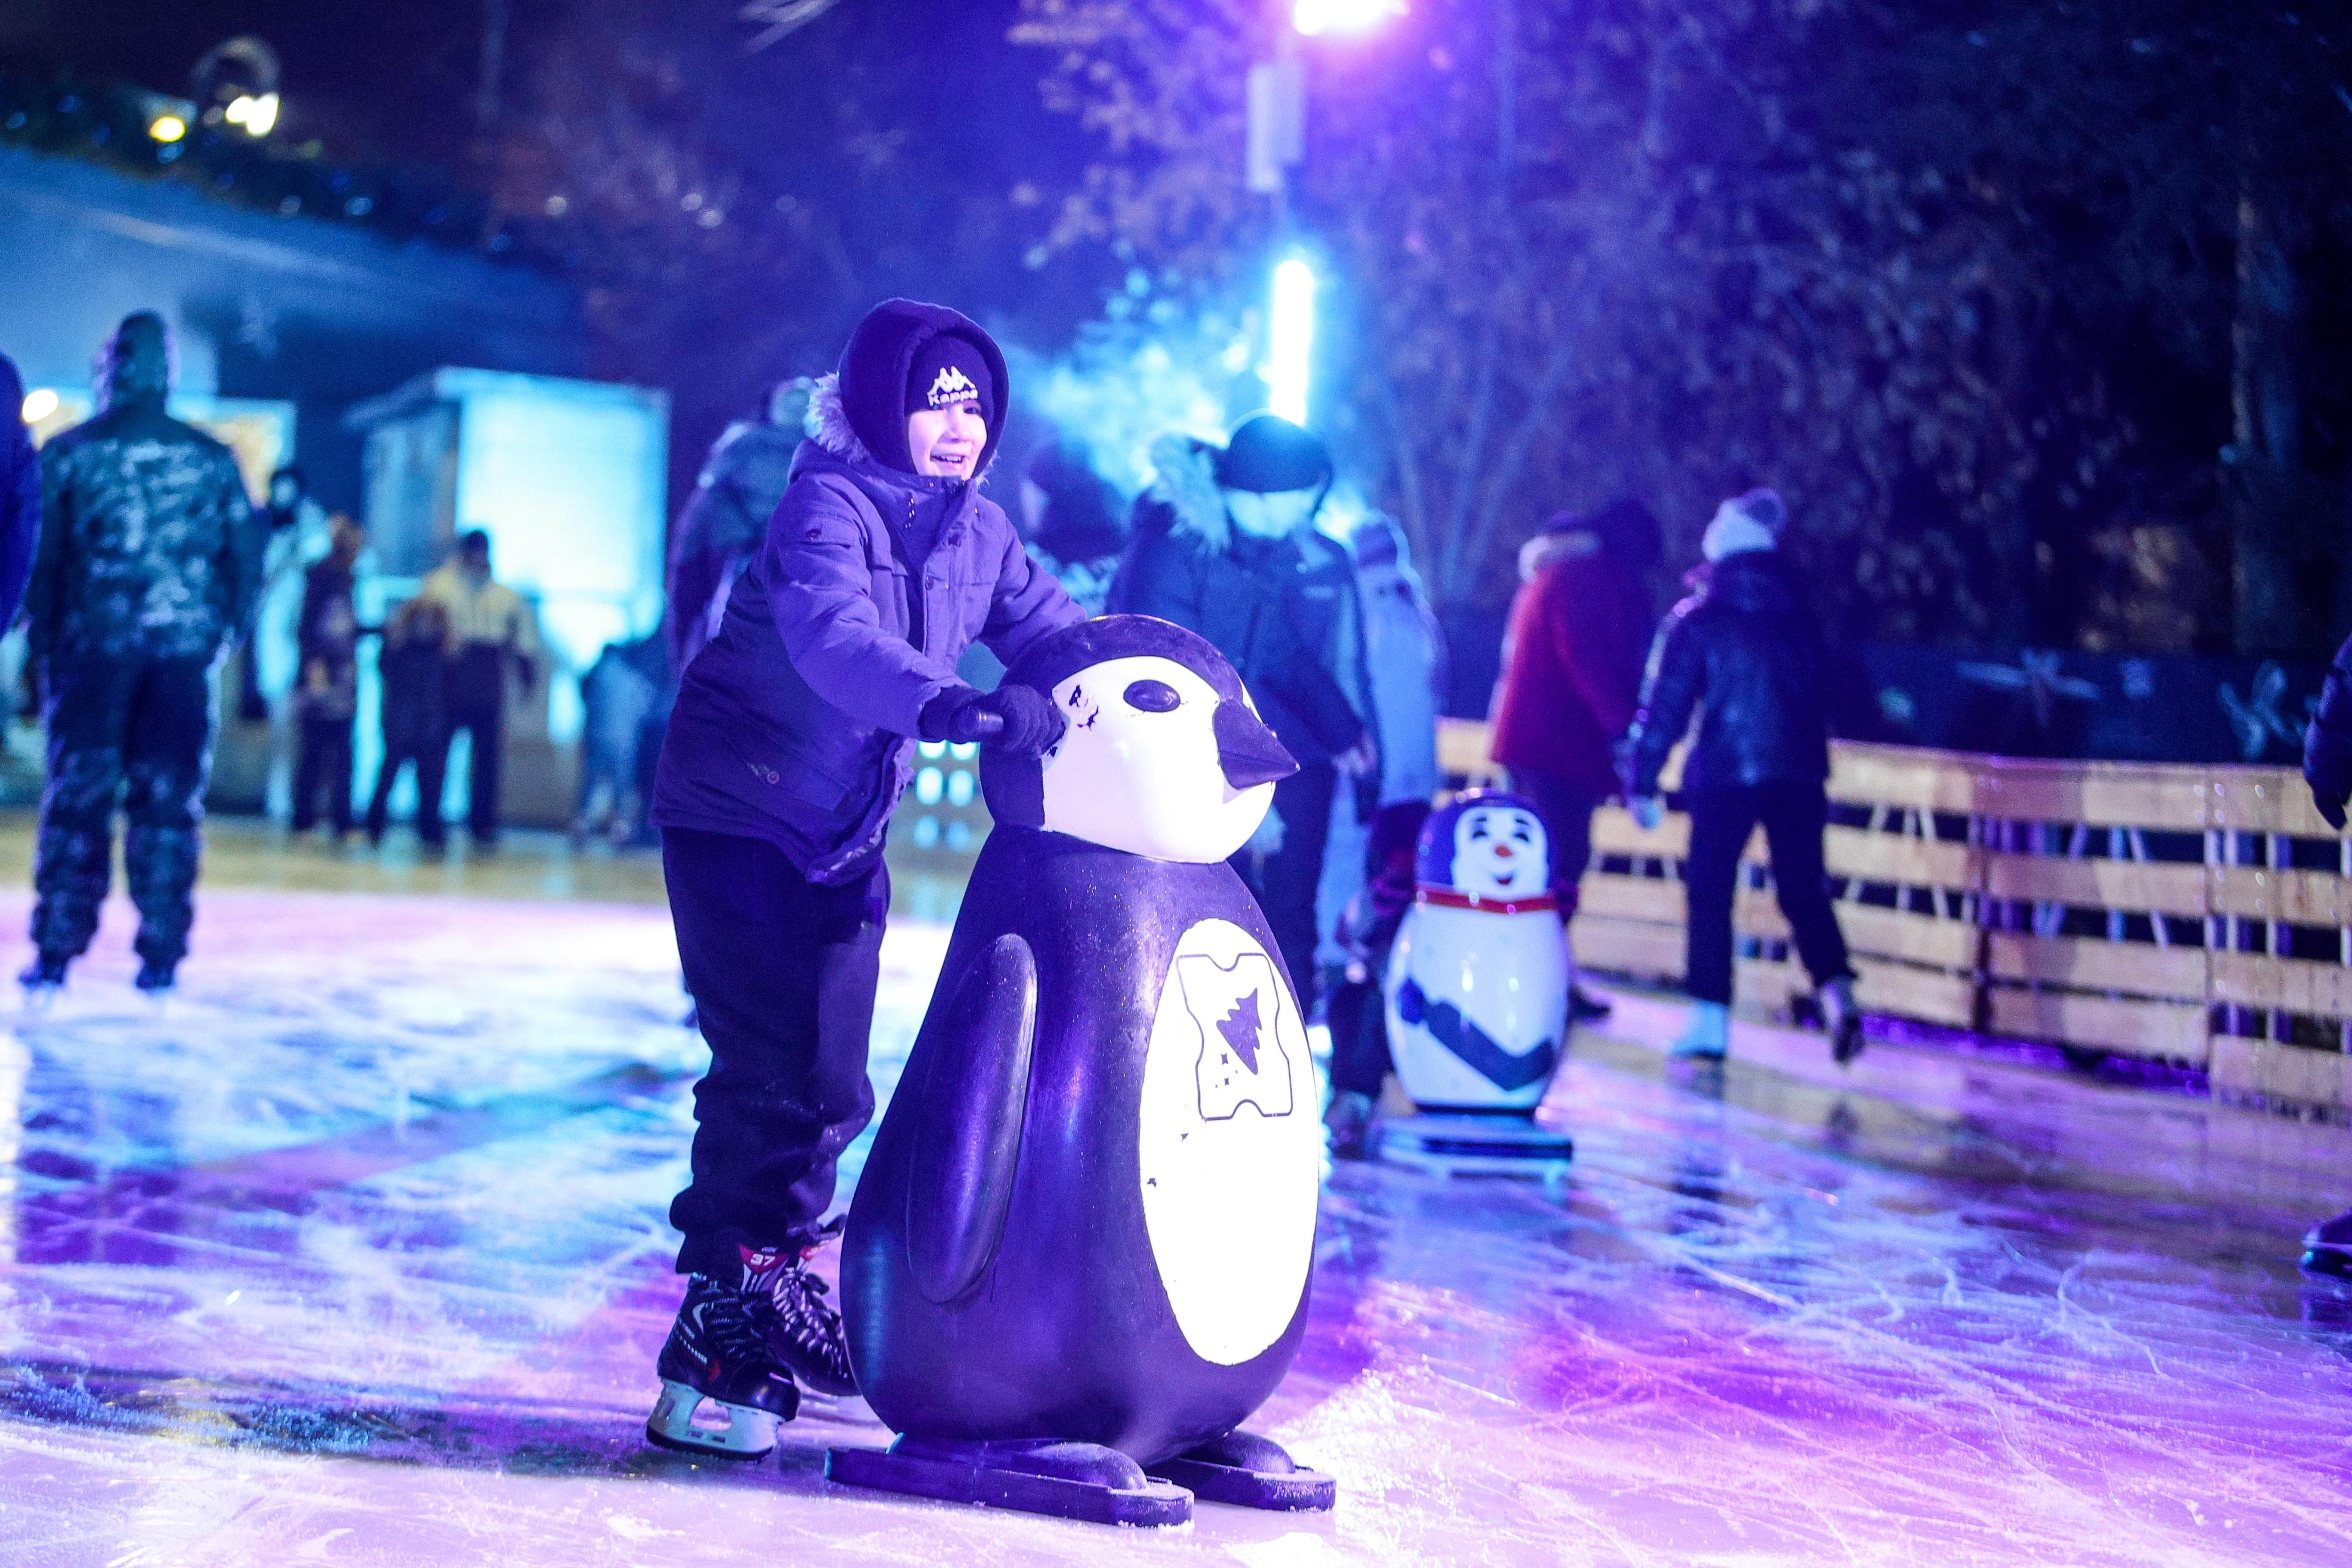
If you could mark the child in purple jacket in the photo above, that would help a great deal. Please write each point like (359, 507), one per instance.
(785, 756)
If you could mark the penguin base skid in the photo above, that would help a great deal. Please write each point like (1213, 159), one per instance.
(1067, 1480)
(1446, 1143)
(1245, 1470)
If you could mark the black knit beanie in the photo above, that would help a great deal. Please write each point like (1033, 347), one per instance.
(1267, 454)
(878, 368)
(950, 369)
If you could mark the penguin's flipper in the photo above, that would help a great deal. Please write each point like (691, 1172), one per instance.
(967, 1132)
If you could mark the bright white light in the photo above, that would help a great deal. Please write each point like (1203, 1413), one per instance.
(256, 114)
(167, 127)
(39, 403)
(1292, 340)
(1314, 17)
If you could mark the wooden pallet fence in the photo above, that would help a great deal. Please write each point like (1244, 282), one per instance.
(2192, 914)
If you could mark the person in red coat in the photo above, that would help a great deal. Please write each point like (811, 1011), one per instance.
(1571, 675)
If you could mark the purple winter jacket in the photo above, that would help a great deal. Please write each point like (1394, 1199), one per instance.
(795, 724)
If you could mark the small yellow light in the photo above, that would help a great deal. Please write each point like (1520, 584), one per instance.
(167, 127)
(39, 403)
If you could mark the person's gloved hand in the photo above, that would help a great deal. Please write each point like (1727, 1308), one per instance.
(1019, 721)
(2331, 808)
(1649, 811)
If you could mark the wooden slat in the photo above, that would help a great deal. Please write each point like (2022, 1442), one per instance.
(2119, 795)
(2142, 968)
(1465, 749)
(2278, 1073)
(1648, 899)
(2302, 897)
(1765, 985)
(1893, 858)
(2160, 886)
(1901, 989)
(1920, 939)
(2262, 800)
(1907, 776)
(2290, 985)
(2164, 1031)
(1615, 831)
(1627, 947)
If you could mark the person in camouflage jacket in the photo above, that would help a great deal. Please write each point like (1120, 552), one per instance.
(147, 568)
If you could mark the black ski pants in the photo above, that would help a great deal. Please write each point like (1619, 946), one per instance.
(139, 730)
(477, 696)
(1794, 816)
(1567, 810)
(1284, 881)
(783, 972)
(431, 755)
(325, 764)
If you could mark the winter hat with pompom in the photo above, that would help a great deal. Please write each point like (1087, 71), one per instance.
(1746, 523)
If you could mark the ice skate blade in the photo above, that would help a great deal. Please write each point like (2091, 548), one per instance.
(1450, 1145)
(750, 1435)
(1300, 1491)
(1153, 1505)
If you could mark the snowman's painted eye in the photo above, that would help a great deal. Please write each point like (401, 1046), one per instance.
(1153, 696)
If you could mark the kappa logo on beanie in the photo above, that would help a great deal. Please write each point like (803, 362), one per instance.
(952, 385)
(949, 370)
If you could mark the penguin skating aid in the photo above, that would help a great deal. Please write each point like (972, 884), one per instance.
(1078, 1259)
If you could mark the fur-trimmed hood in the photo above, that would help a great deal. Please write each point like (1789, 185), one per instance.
(1184, 480)
(829, 428)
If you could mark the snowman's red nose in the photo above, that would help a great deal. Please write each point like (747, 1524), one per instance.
(1502, 852)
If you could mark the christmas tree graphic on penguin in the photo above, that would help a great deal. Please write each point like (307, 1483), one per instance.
(1242, 1057)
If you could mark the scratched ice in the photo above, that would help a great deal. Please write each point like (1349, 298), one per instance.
(358, 1254)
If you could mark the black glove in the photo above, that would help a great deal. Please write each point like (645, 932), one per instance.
(1019, 721)
(2331, 808)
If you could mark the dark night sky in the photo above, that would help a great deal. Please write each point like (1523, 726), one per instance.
(396, 81)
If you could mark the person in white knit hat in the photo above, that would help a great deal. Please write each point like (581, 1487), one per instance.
(1744, 652)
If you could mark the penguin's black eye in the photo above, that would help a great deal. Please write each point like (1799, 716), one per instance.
(1153, 696)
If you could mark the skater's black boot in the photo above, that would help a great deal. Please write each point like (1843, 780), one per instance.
(2327, 1248)
(1247, 1471)
(805, 1333)
(1349, 1120)
(42, 979)
(717, 1351)
(157, 976)
(1583, 1007)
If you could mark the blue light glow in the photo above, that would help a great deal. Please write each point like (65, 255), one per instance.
(1315, 17)
(1291, 339)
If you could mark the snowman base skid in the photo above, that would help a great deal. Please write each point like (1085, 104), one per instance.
(1066, 1480)
(1449, 1141)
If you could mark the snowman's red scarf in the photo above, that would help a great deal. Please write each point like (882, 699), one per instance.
(1447, 898)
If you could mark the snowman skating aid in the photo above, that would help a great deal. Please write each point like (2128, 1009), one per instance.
(1477, 993)
(1077, 1258)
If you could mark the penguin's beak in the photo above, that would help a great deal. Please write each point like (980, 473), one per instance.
(1247, 749)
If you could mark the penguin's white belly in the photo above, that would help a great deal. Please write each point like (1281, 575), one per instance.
(1492, 1009)
(1230, 1144)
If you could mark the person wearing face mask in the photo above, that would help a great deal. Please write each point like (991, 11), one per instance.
(1223, 544)
(791, 742)
(147, 568)
(1743, 652)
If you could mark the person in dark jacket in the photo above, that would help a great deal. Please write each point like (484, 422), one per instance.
(2327, 769)
(147, 568)
(20, 495)
(1572, 676)
(1069, 520)
(1223, 544)
(327, 687)
(413, 667)
(1744, 652)
(791, 740)
(722, 523)
(1354, 1008)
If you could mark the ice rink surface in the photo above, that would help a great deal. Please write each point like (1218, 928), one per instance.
(356, 1255)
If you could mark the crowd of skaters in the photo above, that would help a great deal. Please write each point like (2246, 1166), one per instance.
(137, 558)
